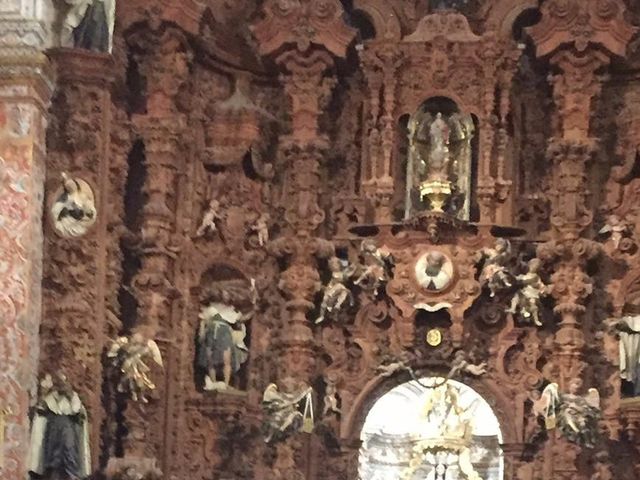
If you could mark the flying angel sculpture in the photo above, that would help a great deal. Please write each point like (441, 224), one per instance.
(576, 416)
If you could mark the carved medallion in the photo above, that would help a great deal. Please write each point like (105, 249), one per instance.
(434, 337)
(434, 271)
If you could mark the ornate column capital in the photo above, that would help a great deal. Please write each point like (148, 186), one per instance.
(303, 23)
(580, 23)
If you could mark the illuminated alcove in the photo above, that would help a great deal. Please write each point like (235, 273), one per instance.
(431, 429)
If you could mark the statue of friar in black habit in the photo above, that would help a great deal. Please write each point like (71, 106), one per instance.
(59, 432)
(89, 24)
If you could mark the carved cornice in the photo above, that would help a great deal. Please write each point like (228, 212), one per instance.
(83, 66)
(32, 71)
(580, 23)
(303, 23)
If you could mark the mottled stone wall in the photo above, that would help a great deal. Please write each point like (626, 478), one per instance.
(24, 90)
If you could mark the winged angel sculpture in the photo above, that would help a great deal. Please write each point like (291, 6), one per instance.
(576, 416)
(131, 356)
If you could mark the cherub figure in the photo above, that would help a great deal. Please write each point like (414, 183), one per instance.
(377, 264)
(330, 398)
(261, 228)
(391, 365)
(576, 416)
(336, 292)
(494, 273)
(210, 220)
(131, 357)
(74, 210)
(616, 229)
(526, 301)
(282, 411)
(461, 365)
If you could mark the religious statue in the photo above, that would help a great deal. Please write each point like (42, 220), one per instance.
(131, 357)
(629, 332)
(282, 412)
(261, 228)
(221, 344)
(330, 397)
(439, 162)
(376, 267)
(461, 364)
(210, 219)
(89, 24)
(615, 229)
(434, 271)
(336, 292)
(388, 369)
(59, 431)
(494, 273)
(526, 301)
(73, 212)
(576, 416)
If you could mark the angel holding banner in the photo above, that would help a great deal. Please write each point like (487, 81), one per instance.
(576, 416)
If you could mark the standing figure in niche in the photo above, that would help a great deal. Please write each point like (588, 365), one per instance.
(331, 397)
(89, 25)
(495, 273)
(629, 332)
(59, 432)
(439, 152)
(526, 301)
(336, 292)
(221, 344)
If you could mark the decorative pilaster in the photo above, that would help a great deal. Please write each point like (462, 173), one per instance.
(303, 37)
(163, 58)
(75, 267)
(568, 33)
(26, 83)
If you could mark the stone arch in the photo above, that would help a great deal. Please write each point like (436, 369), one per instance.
(505, 13)
(383, 17)
(378, 386)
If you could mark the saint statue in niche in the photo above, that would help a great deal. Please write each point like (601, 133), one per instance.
(439, 160)
(73, 212)
(59, 431)
(221, 342)
(88, 24)
(434, 271)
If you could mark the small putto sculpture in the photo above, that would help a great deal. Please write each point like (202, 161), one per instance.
(331, 397)
(376, 267)
(131, 357)
(73, 212)
(89, 24)
(526, 301)
(461, 364)
(576, 416)
(210, 220)
(615, 229)
(282, 412)
(59, 432)
(221, 344)
(495, 273)
(261, 228)
(336, 292)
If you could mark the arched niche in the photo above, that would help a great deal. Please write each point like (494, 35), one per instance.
(383, 18)
(441, 159)
(433, 429)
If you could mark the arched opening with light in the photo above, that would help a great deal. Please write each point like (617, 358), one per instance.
(431, 429)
